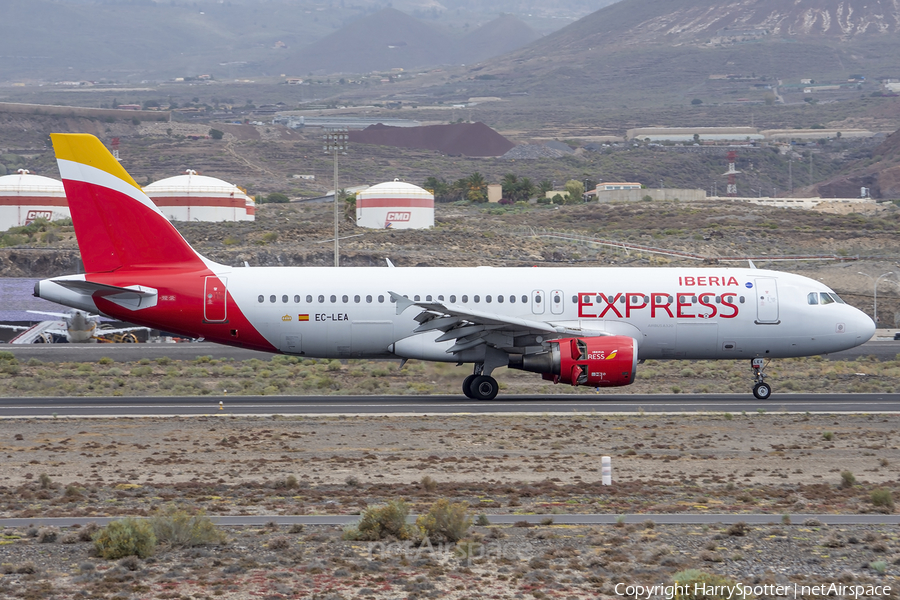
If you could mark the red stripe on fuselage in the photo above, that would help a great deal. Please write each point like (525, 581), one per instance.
(179, 307)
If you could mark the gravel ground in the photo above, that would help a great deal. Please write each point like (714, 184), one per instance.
(774, 463)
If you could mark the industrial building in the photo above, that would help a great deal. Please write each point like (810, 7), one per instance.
(395, 205)
(193, 197)
(25, 197)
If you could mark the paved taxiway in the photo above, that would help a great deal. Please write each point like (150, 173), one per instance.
(570, 519)
(882, 349)
(134, 406)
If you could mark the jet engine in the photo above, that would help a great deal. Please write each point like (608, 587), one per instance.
(607, 361)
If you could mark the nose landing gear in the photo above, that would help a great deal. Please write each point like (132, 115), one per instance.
(761, 390)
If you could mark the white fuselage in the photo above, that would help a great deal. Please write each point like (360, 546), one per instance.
(694, 313)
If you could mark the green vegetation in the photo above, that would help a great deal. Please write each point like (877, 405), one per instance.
(126, 537)
(883, 498)
(445, 521)
(847, 479)
(381, 522)
(276, 198)
(178, 528)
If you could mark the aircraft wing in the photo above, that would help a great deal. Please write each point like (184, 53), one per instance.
(470, 328)
(15, 327)
(52, 314)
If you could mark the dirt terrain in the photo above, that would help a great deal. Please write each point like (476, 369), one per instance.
(776, 463)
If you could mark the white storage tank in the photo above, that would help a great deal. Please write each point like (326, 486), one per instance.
(395, 205)
(25, 197)
(193, 197)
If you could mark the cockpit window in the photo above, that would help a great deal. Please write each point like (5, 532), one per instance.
(812, 298)
(826, 298)
(837, 298)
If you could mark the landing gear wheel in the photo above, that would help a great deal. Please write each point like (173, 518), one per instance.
(467, 386)
(762, 391)
(484, 387)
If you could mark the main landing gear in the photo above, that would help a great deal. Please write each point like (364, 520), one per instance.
(478, 386)
(761, 390)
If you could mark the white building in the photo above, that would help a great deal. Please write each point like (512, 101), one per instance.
(193, 197)
(25, 197)
(395, 205)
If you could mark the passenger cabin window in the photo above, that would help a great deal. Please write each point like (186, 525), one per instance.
(812, 298)
(476, 298)
(487, 298)
(416, 298)
(465, 298)
(284, 298)
(345, 299)
(500, 299)
(369, 299)
(524, 299)
(428, 298)
(574, 299)
(262, 298)
(825, 298)
(321, 299)
(356, 299)
(297, 299)
(309, 298)
(272, 298)
(333, 298)
(440, 298)
(452, 297)
(381, 299)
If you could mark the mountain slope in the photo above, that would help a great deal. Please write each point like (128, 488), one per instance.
(385, 40)
(672, 48)
(504, 34)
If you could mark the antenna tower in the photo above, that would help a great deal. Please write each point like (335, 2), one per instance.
(732, 173)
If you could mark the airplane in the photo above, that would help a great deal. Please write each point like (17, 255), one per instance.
(77, 327)
(576, 326)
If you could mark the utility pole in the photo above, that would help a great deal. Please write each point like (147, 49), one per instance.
(336, 139)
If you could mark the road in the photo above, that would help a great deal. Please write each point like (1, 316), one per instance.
(132, 406)
(569, 519)
(883, 350)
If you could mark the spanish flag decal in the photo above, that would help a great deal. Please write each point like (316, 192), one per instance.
(303, 317)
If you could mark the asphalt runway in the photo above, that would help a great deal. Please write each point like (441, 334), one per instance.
(883, 350)
(134, 406)
(569, 519)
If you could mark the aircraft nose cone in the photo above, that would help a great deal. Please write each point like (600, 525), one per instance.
(862, 327)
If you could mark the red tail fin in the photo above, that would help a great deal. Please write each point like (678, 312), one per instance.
(116, 224)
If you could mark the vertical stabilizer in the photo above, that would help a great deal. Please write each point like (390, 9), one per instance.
(117, 225)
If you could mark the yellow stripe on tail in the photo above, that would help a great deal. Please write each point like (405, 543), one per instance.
(87, 150)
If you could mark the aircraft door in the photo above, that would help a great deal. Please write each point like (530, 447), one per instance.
(537, 302)
(215, 300)
(556, 302)
(766, 300)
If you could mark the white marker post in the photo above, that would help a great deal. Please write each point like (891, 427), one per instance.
(605, 470)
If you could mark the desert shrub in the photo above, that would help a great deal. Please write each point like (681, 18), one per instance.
(738, 529)
(445, 521)
(828, 436)
(380, 522)
(882, 497)
(178, 528)
(847, 479)
(279, 543)
(130, 563)
(86, 533)
(428, 484)
(45, 481)
(482, 520)
(125, 537)
(47, 535)
(697, 583)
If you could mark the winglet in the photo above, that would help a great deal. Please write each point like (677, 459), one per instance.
(752, 266)
(389, 263)
(116, 224)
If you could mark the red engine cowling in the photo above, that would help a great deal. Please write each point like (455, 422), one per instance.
(606, 361)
